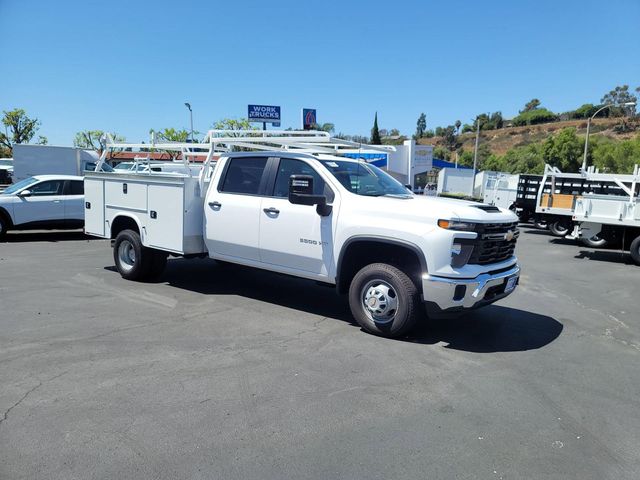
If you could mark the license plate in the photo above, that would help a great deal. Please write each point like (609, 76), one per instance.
(511, 284)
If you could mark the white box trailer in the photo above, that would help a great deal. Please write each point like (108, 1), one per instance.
(455, 181)
(30, 160)
(496, 188)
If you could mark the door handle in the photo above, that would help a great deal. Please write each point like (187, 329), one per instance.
(271, 211)
(215, 205)
(56, 201)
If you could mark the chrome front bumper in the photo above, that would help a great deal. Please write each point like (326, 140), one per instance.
(455, 295)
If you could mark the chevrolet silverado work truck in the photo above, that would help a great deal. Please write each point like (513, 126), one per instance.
(287, 205)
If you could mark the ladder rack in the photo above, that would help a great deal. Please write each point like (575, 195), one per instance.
(223, 141)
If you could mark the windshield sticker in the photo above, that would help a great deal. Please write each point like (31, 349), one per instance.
(332, 164)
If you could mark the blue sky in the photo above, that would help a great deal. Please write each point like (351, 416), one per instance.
(130, 66)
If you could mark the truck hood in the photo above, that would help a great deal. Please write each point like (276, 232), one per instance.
(421, 207)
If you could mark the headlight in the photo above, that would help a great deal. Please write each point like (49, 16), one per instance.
(457, 225)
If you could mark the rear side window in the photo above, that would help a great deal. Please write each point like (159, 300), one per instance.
(76, 187)
(244, 175)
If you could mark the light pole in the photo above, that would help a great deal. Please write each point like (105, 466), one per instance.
(586, 140)
(188, 105)
(475, 155)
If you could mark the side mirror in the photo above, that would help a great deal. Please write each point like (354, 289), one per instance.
(301, 193)
(25, 193)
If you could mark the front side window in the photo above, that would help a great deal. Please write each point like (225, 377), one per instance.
(288, 167)
(244, 175)
(365, 179)
(20, 185)
(50, 187)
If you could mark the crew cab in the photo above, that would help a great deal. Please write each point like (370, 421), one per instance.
(43, 202)
(322, 217)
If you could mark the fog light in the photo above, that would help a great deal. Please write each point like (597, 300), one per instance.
(459, 292)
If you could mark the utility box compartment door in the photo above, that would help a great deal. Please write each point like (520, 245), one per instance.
(164, 224)
(126, 194)
(94, 206)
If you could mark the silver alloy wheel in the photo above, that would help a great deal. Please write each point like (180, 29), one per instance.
(379, 301)
(126, 255)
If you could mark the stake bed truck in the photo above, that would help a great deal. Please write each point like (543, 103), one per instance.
(290, 207)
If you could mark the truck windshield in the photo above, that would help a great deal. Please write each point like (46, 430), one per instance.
(20, 185)
(365, 179)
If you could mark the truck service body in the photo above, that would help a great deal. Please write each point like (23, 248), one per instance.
(314, 215)
(616, 218)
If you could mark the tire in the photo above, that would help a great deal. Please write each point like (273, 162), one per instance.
(133, 260)
(158, 264)
(634, 250)
(384, 301)
(4, 225)
(559, 228)
(540, 224)
(594, 242)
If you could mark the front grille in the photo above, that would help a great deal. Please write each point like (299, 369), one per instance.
(491, 246)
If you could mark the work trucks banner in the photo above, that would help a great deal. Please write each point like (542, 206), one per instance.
(264, 113)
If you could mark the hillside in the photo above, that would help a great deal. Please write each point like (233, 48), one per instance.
(504, 139)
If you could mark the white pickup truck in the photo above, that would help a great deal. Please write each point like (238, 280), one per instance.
(319, 216)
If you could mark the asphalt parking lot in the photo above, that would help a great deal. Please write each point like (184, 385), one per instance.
(218, 372)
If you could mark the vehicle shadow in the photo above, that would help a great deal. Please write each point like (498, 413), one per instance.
(610, 256)
(213, 278)
(535, 231)
(46, 236)
(491, 329)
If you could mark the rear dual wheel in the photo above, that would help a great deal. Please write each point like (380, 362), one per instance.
(559, 228)
(134, 261)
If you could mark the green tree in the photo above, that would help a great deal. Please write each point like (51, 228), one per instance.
(441, 153)
(375, 132)
(457, 125)
(586, 110)
(534, 117)
(532, 104)
(325, 127)
(618, 97)
(394, 132)
(93, 139)
(19, 128)
(234, 124)
(449, 138)
(421, 126)
(564, 150)
(171, 135)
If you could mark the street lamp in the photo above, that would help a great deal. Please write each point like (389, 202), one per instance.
(586, 140)
(188, 105)
(475, 154)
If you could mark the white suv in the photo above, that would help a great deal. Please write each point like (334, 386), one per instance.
(43, 201)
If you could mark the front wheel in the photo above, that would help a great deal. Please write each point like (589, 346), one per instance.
(3, 227)
(635, 251)
(384, 300)
(133, 260)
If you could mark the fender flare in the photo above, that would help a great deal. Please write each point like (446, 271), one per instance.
(380, 239)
